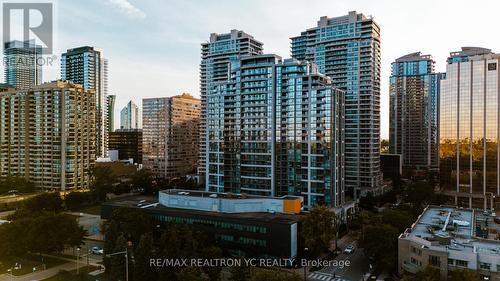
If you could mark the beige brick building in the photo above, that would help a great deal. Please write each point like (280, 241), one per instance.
(170, 135)
(47, 134)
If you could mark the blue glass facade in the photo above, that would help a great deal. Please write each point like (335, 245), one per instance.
(215, 68)
(276, 128)
(414, 111)
(347, 49)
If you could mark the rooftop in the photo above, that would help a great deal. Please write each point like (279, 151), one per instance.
(229, 195)
(450, 228)
(151, 204)
(417, 56)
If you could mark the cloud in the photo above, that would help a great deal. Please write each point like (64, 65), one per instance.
(127, 8)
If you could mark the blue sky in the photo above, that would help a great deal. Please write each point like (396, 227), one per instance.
(153, 46)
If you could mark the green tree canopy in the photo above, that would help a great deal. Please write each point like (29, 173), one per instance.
(318, 229)
(259, 274)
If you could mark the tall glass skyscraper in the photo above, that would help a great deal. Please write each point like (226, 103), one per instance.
(347, 49)
(130, 117)
(469, 128)
(275, 128)
(21, 61)
(111, 113)
(214, 67)
(414, 111)
(87, 66)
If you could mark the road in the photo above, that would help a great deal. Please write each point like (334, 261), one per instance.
(358, 267)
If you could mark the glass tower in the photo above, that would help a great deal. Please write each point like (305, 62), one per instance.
(215, 57)
(414, 109)
(130, 116)
(21, 61)
(111, 113)
(347, 49)
(469, 128)
(87, 67)
(275, 128)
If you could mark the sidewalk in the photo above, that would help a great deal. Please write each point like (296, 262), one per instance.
(40, 275)
(44, 274)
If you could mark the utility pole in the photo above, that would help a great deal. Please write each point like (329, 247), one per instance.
(126, 260)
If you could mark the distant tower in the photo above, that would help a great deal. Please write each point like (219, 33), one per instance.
(414, 111)
(22, 69)
(111, 113)
(170, 135)
(86, 66)
(130, 116)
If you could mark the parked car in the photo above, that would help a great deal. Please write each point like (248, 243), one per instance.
(349, 249)
(97, 250)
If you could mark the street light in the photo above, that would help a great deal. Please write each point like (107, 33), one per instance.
(10, 271)
(126, 259)
(77, 260)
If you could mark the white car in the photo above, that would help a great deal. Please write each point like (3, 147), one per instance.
(97, 251)
(349, 249)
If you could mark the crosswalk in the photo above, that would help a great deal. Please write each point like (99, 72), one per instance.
(324, 277)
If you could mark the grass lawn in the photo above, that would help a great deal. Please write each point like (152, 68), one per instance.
(27, 263)
(93, 210)
(71, 275)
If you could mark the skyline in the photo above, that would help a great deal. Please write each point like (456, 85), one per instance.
(159, 54)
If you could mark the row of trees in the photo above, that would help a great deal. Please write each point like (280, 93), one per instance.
(380, 230)
(39, 227)
(20, 184)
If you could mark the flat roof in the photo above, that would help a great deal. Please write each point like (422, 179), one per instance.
(229, 195)
(458, 226)
(151, 204)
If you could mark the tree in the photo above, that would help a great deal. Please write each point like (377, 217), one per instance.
(132, 223)
(76, 200)
(367, 202)
(189, 274)
(240, 273)
(465, 275)
(48, 202)
(45, 233)
(212, 252)
(259, 274)
(20, 184)
(380, 242)
(318, 229)
(142, 180)
(397, 218)
(102, 182)
(143, 251)
(118, 262)
(428, 274)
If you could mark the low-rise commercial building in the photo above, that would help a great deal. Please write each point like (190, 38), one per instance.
(449, 238)
(241, 224)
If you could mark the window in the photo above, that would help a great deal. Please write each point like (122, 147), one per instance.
(416, 251)
(484, 265)
(461, 263)
(434, 261)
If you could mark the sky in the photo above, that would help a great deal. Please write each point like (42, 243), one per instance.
(153, 46)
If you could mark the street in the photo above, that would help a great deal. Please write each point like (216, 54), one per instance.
(358, 267)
